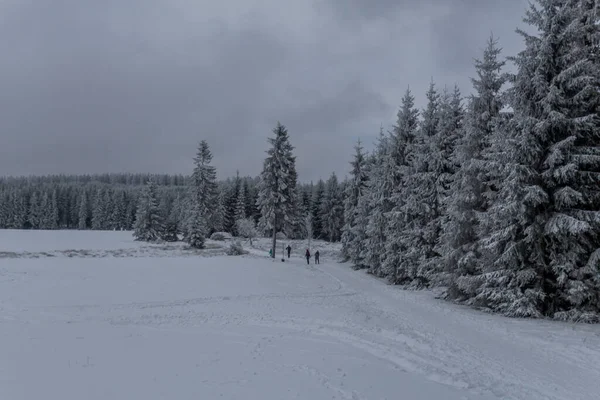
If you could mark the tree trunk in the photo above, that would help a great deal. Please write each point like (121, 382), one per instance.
(274, 236)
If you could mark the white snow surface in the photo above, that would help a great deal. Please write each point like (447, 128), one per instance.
(110, 324)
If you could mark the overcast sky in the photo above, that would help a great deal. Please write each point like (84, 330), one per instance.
(133, 85)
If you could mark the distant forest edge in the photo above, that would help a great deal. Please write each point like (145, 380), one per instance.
(110, 201)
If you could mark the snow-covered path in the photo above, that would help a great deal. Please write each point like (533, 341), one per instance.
(252, 328)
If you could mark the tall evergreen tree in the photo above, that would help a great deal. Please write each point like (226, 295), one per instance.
(317, 200)
(472, 187)
(422, 205)
(381, 186)
(546, 237)
(276, 197)
(355, 189)
(401, 143)
(83, 211)
(204, 196)
(332, 210)
(148, 225)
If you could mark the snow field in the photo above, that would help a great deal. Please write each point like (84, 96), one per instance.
(186, 327)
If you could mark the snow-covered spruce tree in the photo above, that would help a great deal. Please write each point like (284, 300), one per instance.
(240, 207)
(218, 219)
(169, 215)
(4, 209)
(546, 235)
(148, 226)
(98, 210)
(19, 220)
(233, 191)
(355, 189)
(472, 185)
(422, 205)
(276, 196)
(197, 227)
(203, 197)
(450, 133)
(117, 214)
(332, 210)
(53, 207)
(381, 185)
(317, 199)
(34, 214)
(401, 140)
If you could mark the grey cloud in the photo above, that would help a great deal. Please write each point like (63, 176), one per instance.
(103, 86)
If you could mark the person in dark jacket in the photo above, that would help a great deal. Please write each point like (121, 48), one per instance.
(307, 255)
(289, 250)
(317, 257)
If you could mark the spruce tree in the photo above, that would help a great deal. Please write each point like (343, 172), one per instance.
(421, 207)
(355, 189)
(204, 196)
(148, 225)
(83, 211)
(472, 188)
(381, 185)
(276, 197)
(34, 216)
(317, 200)
(332, 211)
(240, 207)
(401, 142)
(545, 218)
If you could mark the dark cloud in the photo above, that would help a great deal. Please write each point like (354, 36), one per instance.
(96, 86)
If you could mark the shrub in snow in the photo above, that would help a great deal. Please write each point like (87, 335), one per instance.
(246, 228)
(236, 249)
(221, 236)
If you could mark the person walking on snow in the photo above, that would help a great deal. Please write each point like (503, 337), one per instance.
(307, 255)
(317, 257)
(289, 250)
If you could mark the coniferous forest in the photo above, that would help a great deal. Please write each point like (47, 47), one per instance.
(493, 196)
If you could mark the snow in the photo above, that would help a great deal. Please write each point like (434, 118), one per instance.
(180, 326)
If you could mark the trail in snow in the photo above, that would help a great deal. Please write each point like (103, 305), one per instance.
(251, 327)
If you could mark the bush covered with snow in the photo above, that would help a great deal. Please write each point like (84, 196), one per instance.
(236, 249)
(221, 236)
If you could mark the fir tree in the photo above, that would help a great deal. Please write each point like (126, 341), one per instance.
(381, 186)
(148, 225)
(204, 193)
(240, 208)
(317, 200)
(472, 187)
(332, 211)
(545, 217)
(354, 191)
(402, 141)
(53, 211)
(83, 211)
(422, 205)
(196, 227)
(276, 197)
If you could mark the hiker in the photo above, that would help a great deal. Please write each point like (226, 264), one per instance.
(307, 255)
(289, 250)
(271, 253)
(317, 257)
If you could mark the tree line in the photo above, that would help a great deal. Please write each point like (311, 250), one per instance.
(111, 201)
(498, 199)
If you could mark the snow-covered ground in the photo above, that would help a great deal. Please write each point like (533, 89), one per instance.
(110, 321)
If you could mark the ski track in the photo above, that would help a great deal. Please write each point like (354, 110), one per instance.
(485, 355)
